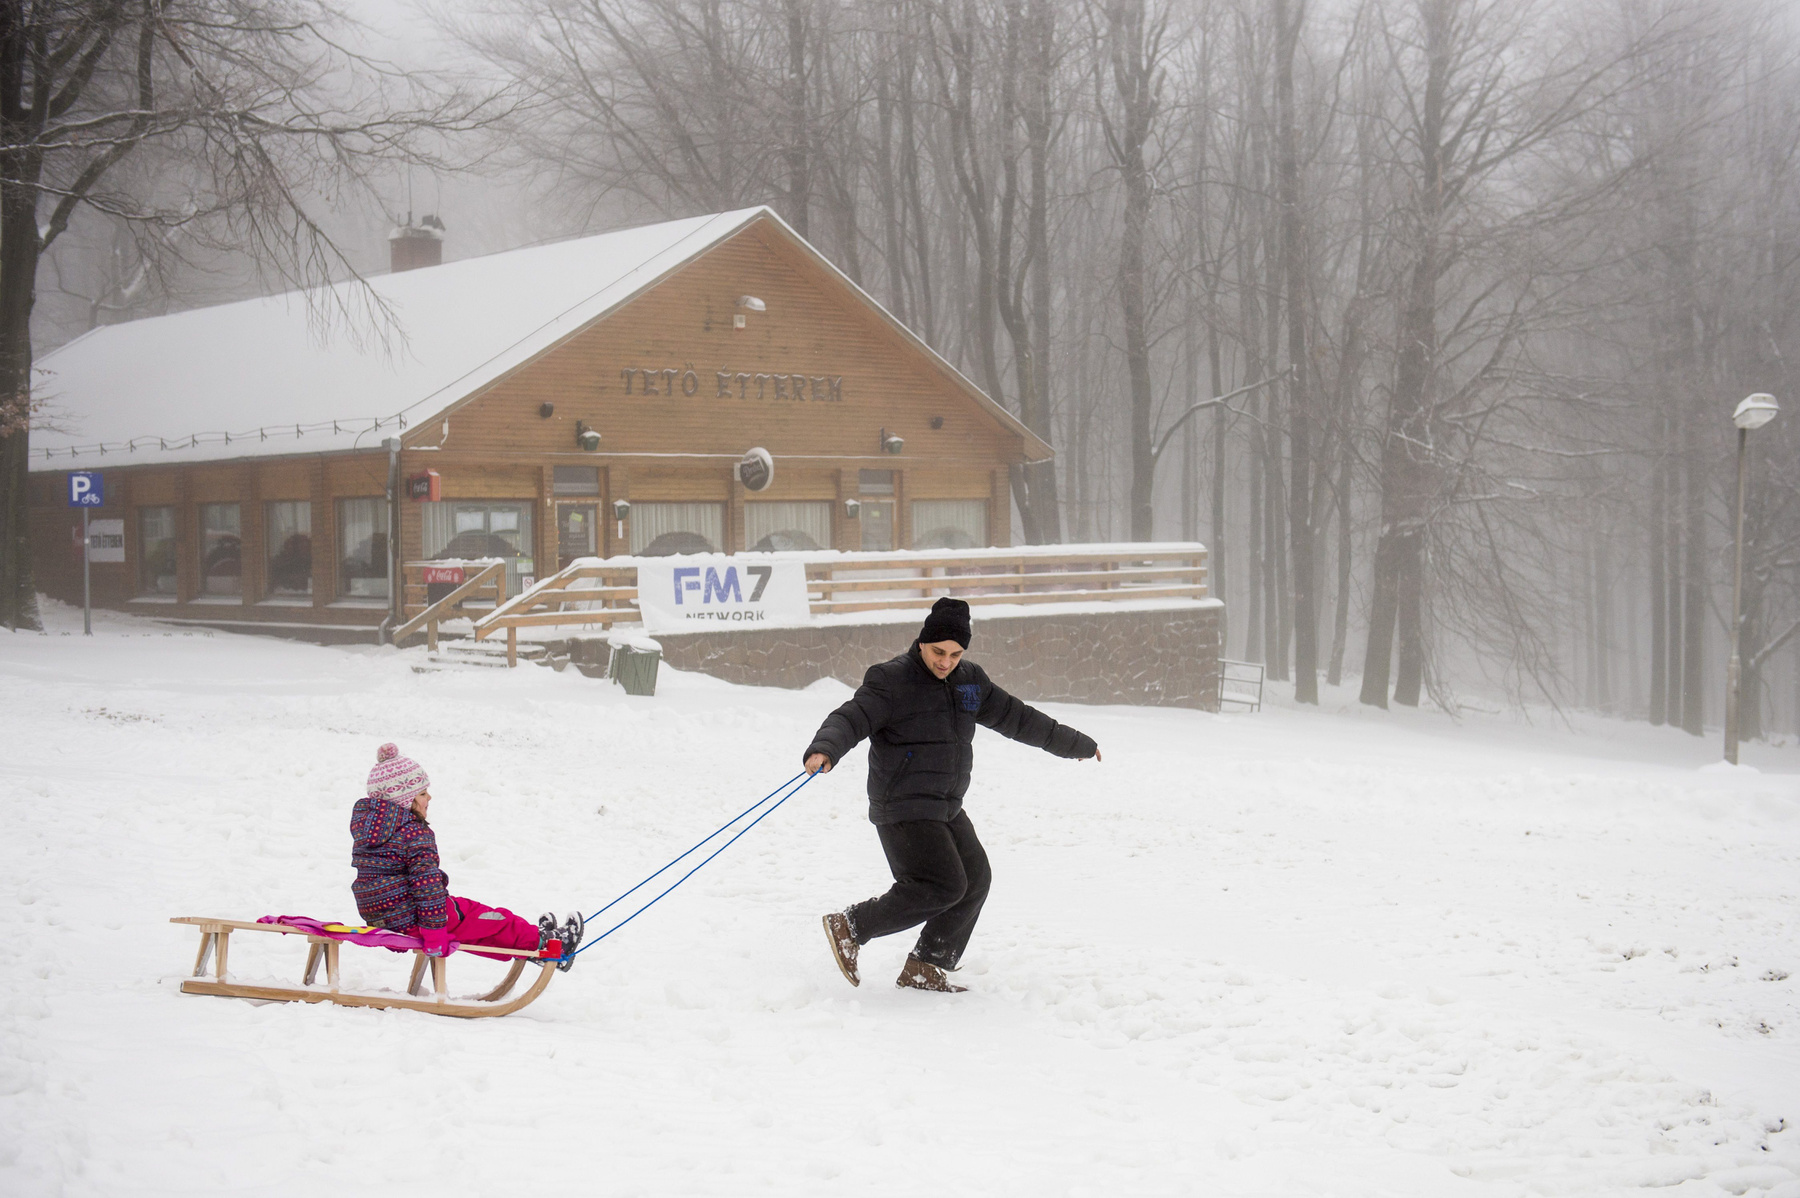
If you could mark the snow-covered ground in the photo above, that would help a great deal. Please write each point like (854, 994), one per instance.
(1300, 953)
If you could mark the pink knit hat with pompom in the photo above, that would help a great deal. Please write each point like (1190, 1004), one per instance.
(395, 778)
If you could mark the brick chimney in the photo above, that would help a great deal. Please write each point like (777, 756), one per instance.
(413, 245)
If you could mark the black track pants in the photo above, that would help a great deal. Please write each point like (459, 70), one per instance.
(941, 878)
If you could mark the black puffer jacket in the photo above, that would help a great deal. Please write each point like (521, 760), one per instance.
(920, 733)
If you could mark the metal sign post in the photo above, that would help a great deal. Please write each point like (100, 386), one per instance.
(87, 490)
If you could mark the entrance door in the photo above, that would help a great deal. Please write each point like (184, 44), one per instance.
(575, 532)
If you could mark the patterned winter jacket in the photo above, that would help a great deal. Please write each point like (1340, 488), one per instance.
(398, 883)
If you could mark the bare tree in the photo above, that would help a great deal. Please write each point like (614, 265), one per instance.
(256, 97)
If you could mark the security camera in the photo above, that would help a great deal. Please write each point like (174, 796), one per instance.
(891, 443)
(586, 437)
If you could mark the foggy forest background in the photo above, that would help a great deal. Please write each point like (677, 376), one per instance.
(1487, 278)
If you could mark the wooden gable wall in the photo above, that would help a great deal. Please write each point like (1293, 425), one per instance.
(716, 389)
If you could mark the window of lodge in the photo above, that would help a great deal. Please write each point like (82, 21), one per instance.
(363, 548)
(877, 516)
(156, 551)
(287, 535)
(575, 480)
(469, 530)
(221, 550)
(787, 525)
(661, 529)
(949, 523)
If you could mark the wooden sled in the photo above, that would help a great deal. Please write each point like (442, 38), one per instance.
(215, 942)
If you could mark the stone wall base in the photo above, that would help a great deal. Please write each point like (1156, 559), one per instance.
(1164, 657)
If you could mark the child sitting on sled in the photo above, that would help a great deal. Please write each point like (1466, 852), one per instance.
(399, 885)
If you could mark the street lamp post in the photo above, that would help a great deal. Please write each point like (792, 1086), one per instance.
(1756, 411)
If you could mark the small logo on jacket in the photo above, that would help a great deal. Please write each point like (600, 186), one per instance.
(968, 696)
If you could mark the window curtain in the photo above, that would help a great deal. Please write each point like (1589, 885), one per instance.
(156, 550)
(681, 527)
(363, 548)
(288, 541)
(221, 546)
(949, 523)
(799, 525)
(457, 528)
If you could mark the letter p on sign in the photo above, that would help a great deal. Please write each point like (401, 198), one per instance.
(87, 488)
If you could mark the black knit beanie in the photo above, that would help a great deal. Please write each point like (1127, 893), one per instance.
(948, 621)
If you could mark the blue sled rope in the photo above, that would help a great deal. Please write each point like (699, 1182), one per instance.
(802, 778)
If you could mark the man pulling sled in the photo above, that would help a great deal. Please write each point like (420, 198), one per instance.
(919, 713)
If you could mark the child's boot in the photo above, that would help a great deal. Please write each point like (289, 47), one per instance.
(570, 934)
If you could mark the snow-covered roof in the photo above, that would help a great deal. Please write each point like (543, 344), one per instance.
(259, 378)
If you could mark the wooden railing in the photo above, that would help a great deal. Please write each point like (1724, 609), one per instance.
(602, 592)
(608, 597)
(1042, 574)
(483, 579)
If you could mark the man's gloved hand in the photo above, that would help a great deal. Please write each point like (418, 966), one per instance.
(437, 941)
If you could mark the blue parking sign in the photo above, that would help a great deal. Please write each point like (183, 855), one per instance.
(87, 488)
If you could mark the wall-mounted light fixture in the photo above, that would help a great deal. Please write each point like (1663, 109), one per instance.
(621, 510)
(546, 410)
(852, 509)
(586, 437)
(892, 442)
(750, 303)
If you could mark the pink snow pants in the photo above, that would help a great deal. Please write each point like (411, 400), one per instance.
(472, 924)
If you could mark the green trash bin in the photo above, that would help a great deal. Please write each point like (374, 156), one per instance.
(634, 668)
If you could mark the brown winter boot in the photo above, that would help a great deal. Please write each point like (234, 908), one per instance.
(843, 945)
(923, 975)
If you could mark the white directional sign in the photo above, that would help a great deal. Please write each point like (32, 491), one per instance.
(106, 540)
(704, 592)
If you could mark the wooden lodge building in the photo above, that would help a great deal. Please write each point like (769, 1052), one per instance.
(590, 397)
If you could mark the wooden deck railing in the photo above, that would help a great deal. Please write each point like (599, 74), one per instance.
(602, 592)
(483, 579)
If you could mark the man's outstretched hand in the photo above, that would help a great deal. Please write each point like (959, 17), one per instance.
(818, 763)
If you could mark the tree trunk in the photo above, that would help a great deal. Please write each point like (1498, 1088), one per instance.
(1659, 648)
(1340, 619)
(1405, 466)
(799, 181)
(1409, 674)
(1253, 631)
(1590, 672)
(19, 247)
(1034, 400)
(1276, 626)
(1300, 413)
(1693, 663)
(1216, 557)
(1671, 533)
(1603, 622)
(1190, 432)
(1135, 69)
